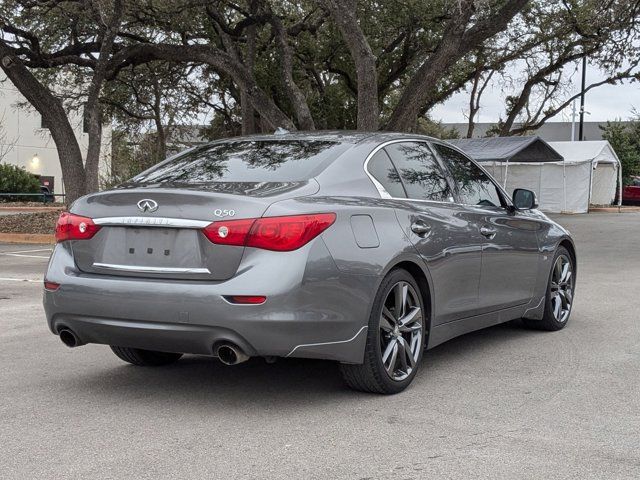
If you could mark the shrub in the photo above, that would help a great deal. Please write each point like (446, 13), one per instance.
(15, 179)
(625, 140)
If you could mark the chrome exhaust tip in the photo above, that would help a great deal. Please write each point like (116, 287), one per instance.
(231, 354)
(69, 338)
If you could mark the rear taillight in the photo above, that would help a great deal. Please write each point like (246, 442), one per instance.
(281, 234)
(233, 232)
(74, 227)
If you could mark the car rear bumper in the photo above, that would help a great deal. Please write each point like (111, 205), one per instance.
(312, 309)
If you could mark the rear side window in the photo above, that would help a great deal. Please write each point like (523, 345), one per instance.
(472, 185)
(385, 173)
(245, 161)
(420, 172)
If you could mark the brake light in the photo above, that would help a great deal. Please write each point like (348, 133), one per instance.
(75, 227)
(233, 232)
(282, 234)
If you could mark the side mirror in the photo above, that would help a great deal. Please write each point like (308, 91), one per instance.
(524, 199)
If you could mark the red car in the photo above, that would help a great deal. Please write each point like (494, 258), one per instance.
(631, 193)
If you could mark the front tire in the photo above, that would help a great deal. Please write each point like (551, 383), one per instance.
(560, 292)
(145, 358)
(395, 338)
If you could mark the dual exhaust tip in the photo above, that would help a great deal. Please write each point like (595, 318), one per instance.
(231, 354)
(69, 338)
(228, 353)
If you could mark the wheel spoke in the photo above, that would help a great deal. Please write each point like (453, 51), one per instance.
(414, 327)
(566, 273)
(569, 295)
(402, 354)
(557, 306)
(408, 352)
(386, 323)
(557, 274)
(389, 349)
(410, 317)
(393, 360)
(400, 290)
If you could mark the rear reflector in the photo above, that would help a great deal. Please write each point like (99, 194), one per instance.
(51, 286)
(282, 234)
(246, 299)
(74, 227)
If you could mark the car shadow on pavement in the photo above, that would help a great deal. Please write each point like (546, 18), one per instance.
(288, 381)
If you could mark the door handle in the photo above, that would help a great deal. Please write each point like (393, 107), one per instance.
(488, 231)
(420, 228)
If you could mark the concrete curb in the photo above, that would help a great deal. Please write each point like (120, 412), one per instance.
(614, 210)
(27, 238)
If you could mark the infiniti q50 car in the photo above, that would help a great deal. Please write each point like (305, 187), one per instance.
(361, 248)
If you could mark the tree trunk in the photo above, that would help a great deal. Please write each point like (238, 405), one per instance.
(298, 100)
(343, 13)
(92, 107)
(249, 123)
(53, 114)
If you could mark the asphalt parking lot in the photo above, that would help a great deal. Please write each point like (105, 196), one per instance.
(500, 403)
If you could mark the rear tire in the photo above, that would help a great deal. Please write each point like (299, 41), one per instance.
(560, 292)
(395, 338)
(145, 358)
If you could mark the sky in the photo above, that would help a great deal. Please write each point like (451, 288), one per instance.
(607, 102)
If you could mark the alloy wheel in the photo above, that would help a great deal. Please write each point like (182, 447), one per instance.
(401, 331)
(562, 288)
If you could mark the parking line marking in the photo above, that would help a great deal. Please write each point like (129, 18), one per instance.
(25, 256)
(19, 280)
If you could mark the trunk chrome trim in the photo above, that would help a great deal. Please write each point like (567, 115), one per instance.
(151, 222)
(141, 269)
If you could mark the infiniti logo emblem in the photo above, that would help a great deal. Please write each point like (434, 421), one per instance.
(147, 205)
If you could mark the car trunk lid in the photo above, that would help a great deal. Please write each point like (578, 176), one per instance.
(156, 232)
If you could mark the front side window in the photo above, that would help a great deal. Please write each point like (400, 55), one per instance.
(421, 175)
(245, 161)
(385, 173)
(472, 185)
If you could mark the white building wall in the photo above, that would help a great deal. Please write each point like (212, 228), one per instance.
(25, 143)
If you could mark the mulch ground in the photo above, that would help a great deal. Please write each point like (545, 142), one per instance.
(40, 222)
(9, 205)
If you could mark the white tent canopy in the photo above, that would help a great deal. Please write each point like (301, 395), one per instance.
(587, 176)
(606, 172)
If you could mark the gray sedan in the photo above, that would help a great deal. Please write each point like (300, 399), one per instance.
(362, 248)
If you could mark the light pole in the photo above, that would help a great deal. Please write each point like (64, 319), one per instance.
(584, 81)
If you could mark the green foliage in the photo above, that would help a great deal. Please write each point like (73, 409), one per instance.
(625, 140)
(15, 179)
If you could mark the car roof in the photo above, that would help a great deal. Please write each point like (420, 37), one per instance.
(345, 136)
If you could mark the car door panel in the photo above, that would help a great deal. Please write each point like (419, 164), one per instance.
(452, 251)
(510, 259)
(510, 250)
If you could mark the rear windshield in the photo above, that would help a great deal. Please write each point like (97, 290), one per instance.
(245, 161)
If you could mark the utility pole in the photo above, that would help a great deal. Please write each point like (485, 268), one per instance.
(573, 120)
(584, 82)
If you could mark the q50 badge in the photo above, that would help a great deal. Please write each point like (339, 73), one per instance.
(221, 213)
